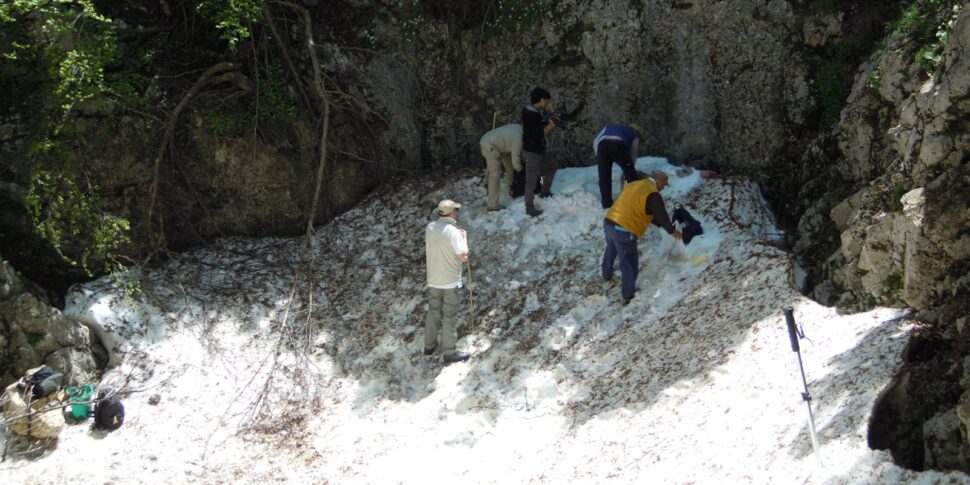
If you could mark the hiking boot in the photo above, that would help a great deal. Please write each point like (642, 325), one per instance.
(456, 357)
(545, 195)
(532, 211)
(430, 351)
(626, 301)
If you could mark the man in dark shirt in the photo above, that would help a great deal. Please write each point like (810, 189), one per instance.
(534, 131)
(639, 205)
(615, 143)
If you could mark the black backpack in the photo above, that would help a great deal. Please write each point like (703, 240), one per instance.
(40, 383)
(691, 226)
(518, 185)
(109, 413)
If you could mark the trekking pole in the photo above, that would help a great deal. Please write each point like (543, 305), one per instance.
(471, 298)
(794, 334)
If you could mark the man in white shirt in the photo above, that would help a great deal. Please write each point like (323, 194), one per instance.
(445, 247)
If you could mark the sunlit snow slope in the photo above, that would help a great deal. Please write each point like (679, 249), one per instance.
(269, 363)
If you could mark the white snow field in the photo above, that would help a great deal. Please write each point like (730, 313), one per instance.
(253, 361)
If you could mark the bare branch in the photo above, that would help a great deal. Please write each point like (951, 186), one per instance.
(204, 79)
(321, 92)
(268, 18)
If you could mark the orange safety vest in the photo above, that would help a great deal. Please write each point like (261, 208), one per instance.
(630, 209)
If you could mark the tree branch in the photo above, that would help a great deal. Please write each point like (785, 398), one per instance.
(321, 92)
(210, 74)
(268, 18)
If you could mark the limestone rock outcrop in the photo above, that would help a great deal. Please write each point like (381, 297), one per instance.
(903, 140)
(32, 333)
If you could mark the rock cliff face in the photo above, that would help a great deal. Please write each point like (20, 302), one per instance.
(713, 83)
(903, 235)
(33, 334)
(903, 141)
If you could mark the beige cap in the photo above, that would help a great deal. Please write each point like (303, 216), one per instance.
(446, 206)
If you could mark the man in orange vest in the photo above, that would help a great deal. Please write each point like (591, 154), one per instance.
(638, 205)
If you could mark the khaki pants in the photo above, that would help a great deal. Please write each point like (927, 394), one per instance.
(442, 309)
(494, 162)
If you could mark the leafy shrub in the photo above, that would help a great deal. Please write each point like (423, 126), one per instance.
(831, 87)
(63, 210)
(231, 17)
(927, 25)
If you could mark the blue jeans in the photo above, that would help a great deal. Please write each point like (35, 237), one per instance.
(621, 243)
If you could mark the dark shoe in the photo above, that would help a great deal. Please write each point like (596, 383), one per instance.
(608, 278)
(626, 301)
(431, 350)
(534, 212)
(456, 357)
(546, 195)
(495, 209)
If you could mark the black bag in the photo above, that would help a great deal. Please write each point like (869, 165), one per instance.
(691, 227)
(109, 413)
(518, 185)
(40, 383)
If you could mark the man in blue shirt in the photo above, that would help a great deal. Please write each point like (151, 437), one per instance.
(615, 143)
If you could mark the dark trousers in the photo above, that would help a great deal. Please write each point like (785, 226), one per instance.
(536, 165)
(621, 243)
(607, 152)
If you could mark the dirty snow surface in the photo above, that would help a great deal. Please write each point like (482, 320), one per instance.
(256, 360)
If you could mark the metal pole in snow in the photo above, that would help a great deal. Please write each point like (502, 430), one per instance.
(794, 334)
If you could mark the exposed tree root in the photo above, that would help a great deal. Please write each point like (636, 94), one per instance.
(218, 73)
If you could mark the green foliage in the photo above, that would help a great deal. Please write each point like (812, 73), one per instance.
(33, 338)
(895, 282)
(835, 72)
(831, 87)
(274, 104)
(75, 40)
(62, 210)
(825, 5)
(130, 83)
(410, 20)
(222, 122)
(872, 82)
(369, 37)
(898, 192)
(512, 15)
(232, 18)
(59, 53)
(927, 24)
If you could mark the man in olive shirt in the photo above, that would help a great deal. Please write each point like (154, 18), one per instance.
(501, 147)
(639, 205)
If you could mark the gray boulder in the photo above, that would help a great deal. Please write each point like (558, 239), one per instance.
(32, 333)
